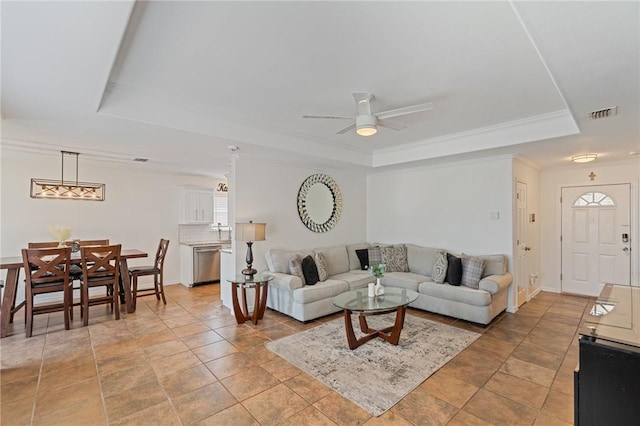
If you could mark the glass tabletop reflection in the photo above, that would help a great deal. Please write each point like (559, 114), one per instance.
(359, 300)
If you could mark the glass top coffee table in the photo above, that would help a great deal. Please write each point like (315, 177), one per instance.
(359, 303)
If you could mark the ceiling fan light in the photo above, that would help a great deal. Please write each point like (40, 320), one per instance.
(367, 130)
(584, 158)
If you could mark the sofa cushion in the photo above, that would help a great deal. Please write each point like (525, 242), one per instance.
(404, 280)
(440, 268)
(355, 279)
(321, 265)
(354, 259)
(461, 294)
(454, 270)
(422, 259)
(494, 264)
(375, 256)
(278, 259)
(395, 258)
(363, 256)
(295, 268)
(336, 258)
(310, 270)
(472, 268)
(321, 291)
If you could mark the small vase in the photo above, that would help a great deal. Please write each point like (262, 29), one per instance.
(61, 244)
(379, 289)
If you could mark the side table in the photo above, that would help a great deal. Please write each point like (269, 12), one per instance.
(259, 282)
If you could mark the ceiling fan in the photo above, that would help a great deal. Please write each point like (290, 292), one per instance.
(366, 123)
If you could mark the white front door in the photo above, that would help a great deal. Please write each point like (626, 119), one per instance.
(595, 238)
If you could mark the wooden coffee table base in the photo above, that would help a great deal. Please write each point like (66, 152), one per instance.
(390, 334)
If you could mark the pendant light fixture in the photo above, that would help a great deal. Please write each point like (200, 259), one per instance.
(67, 190)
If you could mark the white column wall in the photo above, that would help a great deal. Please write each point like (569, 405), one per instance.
(267, 192)
(141, 206)
(552, 181)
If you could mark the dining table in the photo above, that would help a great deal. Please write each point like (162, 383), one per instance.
(14, 264)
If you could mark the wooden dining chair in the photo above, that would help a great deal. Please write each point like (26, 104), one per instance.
(76, 270)
(47, 271)
(157, 270)
(100, 268)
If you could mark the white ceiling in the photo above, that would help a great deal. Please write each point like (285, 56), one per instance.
(178, 82)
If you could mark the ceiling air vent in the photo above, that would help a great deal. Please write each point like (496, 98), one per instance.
(141, 160)
(602, 113)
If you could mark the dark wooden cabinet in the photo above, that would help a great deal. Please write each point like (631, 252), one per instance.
(607, 380)
(607, 384)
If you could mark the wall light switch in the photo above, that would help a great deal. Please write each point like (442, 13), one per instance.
(494, 215)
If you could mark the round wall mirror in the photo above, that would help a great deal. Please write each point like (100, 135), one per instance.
(319, 203)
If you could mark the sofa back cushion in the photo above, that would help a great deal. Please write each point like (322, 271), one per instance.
(494, 264)
(421, 259)
(336, 258)
(395, 258)
(354, 261)
(278, 259)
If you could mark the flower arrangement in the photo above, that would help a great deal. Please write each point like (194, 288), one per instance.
(378, 270)
(60, 233)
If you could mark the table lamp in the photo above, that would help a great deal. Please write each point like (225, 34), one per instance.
(250, 232)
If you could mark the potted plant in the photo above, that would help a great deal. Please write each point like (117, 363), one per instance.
(378, 272)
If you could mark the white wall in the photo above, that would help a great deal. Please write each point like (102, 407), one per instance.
(552, 180)
(267, 192)
(446, 206)
(141, 206)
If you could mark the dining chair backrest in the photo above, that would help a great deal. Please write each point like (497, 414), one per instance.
(45, 244)
(161, 253)
(94, 242)
(100, 261)
(46, 265)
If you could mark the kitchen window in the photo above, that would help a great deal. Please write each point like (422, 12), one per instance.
(220, 210)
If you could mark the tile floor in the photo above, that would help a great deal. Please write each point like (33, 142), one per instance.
(189, 363)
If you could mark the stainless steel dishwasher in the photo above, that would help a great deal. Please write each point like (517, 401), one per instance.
(206, 264)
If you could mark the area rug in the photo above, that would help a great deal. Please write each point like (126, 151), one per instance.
(376, 375)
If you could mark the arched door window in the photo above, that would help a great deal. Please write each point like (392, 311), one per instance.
(594, 199)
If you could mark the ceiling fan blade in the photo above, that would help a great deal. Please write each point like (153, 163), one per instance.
(333, 117)
(403, 111)
(346, 129)
(391, 125)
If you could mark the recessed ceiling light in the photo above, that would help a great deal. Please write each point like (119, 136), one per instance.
(584, 158)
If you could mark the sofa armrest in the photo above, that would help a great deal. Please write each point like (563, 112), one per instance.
(285, 281)
(495, 283)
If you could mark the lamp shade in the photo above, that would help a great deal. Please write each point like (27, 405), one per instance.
(250, 231)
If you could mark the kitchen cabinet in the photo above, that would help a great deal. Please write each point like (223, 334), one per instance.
(197, 206)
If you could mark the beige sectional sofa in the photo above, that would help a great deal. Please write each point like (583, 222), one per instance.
(288, 295)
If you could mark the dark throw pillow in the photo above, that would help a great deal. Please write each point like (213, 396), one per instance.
(363, 257)
(310, 271)
(454, 270)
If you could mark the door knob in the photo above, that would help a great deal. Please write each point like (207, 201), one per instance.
(527, 248)
(625, 249)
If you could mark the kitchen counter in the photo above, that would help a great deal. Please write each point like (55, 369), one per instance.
(205, 243)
